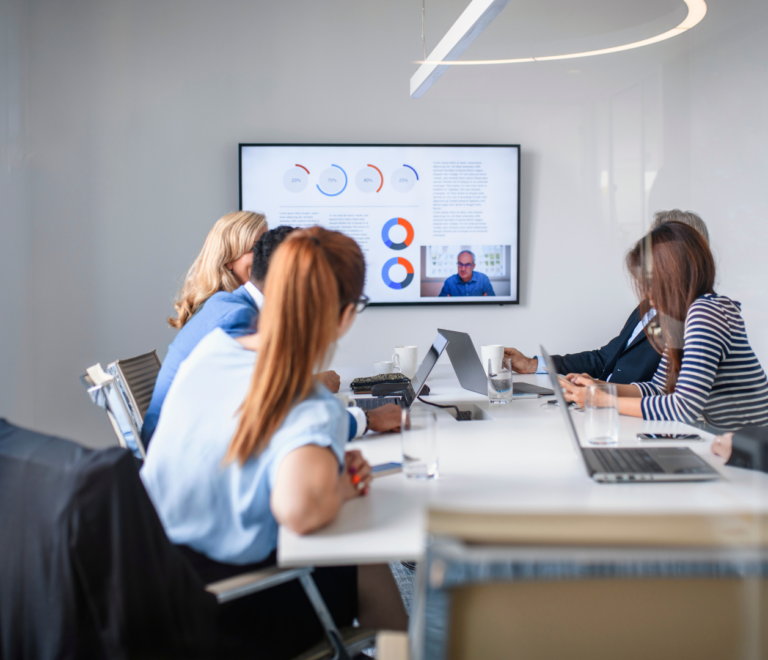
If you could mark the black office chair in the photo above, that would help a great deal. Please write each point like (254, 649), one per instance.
(86, 569)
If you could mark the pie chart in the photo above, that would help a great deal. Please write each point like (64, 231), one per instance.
(397, 261)
(394, 222)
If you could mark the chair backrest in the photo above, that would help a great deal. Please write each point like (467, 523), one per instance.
(124, 391)
(137, 376)
(591, 586)
(86, 569)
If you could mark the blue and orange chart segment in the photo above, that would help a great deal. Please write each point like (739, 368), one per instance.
(394, 222)
(391, 263)
(369, 179)
(296, 179)
(404, 178)
(333, 181)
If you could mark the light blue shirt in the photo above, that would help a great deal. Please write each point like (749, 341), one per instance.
(541, 367)
(223, 510)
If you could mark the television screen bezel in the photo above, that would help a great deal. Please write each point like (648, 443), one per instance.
(350, 144)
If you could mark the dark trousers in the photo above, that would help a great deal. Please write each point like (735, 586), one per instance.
(278, 623)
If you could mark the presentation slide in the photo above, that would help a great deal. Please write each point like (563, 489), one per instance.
(437, 224)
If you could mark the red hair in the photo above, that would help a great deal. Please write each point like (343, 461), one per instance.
(313, 276)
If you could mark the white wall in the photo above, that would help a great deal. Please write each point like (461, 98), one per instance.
(16, 400)
(135, 112)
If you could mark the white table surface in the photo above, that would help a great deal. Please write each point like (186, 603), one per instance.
(522, 461)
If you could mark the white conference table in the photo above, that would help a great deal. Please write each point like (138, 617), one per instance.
(522, 461)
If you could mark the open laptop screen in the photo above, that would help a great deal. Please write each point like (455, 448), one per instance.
(427, 364)
(563, 404)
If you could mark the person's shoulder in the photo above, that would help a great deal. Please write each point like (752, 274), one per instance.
(483, 276)
(216, 346)
(224, 308)
(712, 310)
(229, 300)
(714, 303)
(452, 278)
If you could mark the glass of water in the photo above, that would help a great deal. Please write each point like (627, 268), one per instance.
(418, 435)
(601, 414)
(500, 383)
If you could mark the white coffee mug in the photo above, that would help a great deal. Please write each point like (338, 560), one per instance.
(494, 353)
(406, 358)
(385, 367)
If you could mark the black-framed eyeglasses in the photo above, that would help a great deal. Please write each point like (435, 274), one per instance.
(362, 302)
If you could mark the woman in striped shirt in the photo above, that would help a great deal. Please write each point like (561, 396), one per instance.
(708, 371)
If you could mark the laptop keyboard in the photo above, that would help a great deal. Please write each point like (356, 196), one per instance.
(377, 402)
(627, 461)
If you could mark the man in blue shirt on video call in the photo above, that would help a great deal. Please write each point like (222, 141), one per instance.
(467, 282)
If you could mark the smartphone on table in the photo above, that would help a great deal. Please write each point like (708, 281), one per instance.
(656, 437)
(383, 469)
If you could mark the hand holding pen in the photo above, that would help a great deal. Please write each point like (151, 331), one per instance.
(357, 477)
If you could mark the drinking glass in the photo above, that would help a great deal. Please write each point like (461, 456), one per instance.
(601, 414)
(418, 435)
(500, 383)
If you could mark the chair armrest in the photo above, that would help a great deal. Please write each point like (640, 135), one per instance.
(391, 645)
(250, 583)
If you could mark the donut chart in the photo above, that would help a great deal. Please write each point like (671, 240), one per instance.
(408, 236)
(395, 261)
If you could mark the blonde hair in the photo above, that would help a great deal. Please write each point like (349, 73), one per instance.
(314, 275)
(230, 238)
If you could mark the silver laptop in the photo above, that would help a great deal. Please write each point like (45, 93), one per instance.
(469, 369)
(412, 389)
(612, 465)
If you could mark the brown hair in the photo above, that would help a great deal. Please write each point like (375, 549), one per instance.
(313, 276)
(671, 266)
(229, 239)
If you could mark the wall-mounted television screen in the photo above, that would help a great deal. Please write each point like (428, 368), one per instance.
(438, 224)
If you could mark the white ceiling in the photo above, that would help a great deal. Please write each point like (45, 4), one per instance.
(551, 27)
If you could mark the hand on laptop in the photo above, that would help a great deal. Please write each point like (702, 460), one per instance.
(330, 379)
(520, 363)
(385, 418)
(723, 445)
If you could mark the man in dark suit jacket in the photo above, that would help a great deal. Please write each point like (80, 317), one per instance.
(628, 358)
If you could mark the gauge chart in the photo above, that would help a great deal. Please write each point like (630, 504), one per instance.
(369, 179)
(296, 178)
(333, 181)
(404, 178)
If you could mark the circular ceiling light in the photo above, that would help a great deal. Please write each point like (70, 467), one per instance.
(697, 9)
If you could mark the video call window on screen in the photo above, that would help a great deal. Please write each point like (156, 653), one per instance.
(438, 224)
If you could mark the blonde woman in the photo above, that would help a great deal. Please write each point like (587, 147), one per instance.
(219, 281)
(223, 264)
(250, 440)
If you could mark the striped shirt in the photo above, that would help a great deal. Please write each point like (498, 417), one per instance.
(721, 381)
